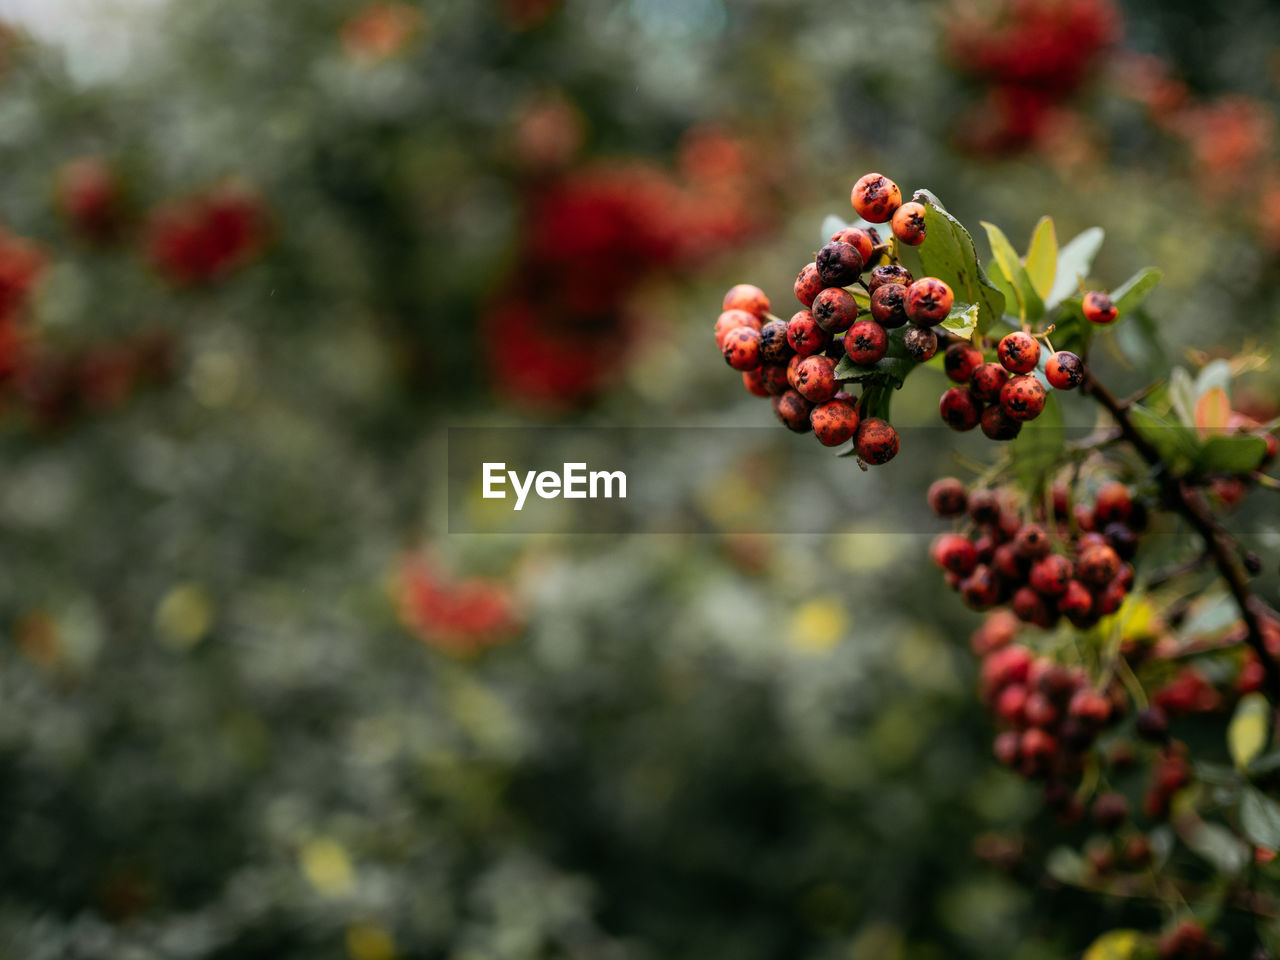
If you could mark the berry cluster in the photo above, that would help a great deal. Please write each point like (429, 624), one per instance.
(1074, 567)
(795, 361)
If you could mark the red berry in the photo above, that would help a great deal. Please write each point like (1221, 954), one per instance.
(804, 335)
(1110, 598)
(792, 366)
(1064, 370)
(920, 343)
(1090, 707)
(929, 301)
(1023, 397)
(1029, 607)
(857, 238)
(876, 198)
(815, 379)
(866, 343)
(834, 422)
(998, 629)
(1010, 664)
(984, 505)
(1152, 725)
(1112, 504)
(1040, 711)
(731, 319)
(742, 348)
(754, 382)
(1011, 704)
(1051, 575)
(947, 497)
(996, 424)
(961, 360)
(987, 380)
(893, 273)
(959, 410)
(1098, 308)
(1018, 352)
(1008, 564)
(1097, 565)
(793, 410)
(1037, 749)
(1110, 810)
(908, 223)
(835, 309)
(808, 284)
(1007, 748)
(839, 264)
(889, 305)
(876, 441)
(774, 348)
(981, 589)
(748, 297)
(1031, 542)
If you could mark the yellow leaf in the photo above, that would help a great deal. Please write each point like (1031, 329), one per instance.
(327, 867)
(1213, 409)
(184, 616)
(368, 942)
(817, 625)
(1114, 945)
(1042, 258)
(1249, 728)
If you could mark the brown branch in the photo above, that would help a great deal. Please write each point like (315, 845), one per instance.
(1188, 502)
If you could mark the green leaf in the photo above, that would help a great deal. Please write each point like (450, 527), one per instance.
(1182, 395)
(1177, 444)
(949, 254)
(1042, 257)
(1219, 846)
(1260, 818)
(1114, 945)
(1267, 763)
(1129, 295)
(1066, 866)
(1216, 373)
(1030, 306)
(890, 371)
(1075, 260)
(1039, 445)
(962, 320)
(1239, 453)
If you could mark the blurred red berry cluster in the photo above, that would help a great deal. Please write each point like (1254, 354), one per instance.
(1030, 57)
(379, 31)
(564, 319)
(456, 615)
(203, 237)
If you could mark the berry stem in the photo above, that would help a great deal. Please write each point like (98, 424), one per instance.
(1191, 506)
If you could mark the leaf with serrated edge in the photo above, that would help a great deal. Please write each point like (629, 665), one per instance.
(949, 254)
(1075, 260)
(1030, 306)
(1042, 257)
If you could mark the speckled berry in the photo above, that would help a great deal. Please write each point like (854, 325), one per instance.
(866, 343)
(859, 239)
(1023, 397)
(731, 319)
(773, 377)
(987, 381)
(835, 309)
(774, 348)
(1076, 603)
(1113, 504)
(947, 497)
(961, 360)
(981, 589)
(1050, 575)
(835, 421)
(908, 223)
(742, 348)
(889, 305)
(793, 410)
(748, 297)
(805, 335)
(1098, 308)
(929, 301)
(889, 273)
(876, 198)
(921, 344)
(959, 410)
(1097, 565)
(984, 505)
(1031, 541)
(839, 264)
(815, 379)
(792, 366)
(1019, 352)
(876, 441)
(996, 424)
(808, 284)
(1064, 370)
(954, 552)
